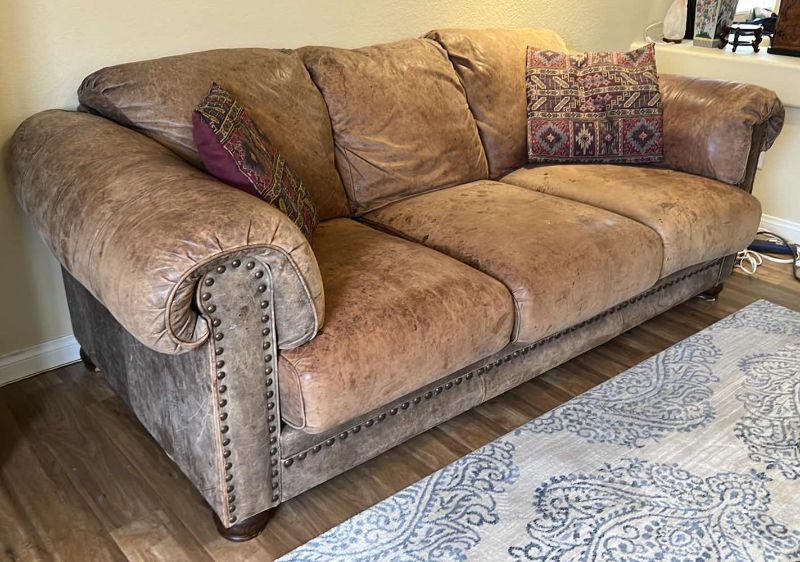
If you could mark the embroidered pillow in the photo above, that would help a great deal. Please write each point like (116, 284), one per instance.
(594, 107)
(235, 151)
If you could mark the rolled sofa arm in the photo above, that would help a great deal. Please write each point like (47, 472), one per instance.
(139, 227)
(709, 125)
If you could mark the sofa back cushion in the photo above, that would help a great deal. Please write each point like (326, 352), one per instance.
(157, 97)
(401, 122)
(491, 66)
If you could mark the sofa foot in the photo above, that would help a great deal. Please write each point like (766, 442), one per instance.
(247, 529)
(87, 362)
(712, 294)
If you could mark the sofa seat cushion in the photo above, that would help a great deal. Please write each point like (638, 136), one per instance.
(398, 316)
(563, 261)
(400, 120)
(698, 219)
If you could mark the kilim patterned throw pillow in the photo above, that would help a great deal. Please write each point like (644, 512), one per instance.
(235, 151)
(594, 107)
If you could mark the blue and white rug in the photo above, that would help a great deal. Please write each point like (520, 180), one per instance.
(692, 455)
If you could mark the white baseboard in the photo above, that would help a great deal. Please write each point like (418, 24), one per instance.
(787, 229)
(39, 358)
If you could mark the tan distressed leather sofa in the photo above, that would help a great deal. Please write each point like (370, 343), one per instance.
(444, 271)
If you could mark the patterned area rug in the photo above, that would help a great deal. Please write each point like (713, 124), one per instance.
(693, 454)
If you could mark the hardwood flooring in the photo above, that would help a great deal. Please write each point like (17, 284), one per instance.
(81, 480)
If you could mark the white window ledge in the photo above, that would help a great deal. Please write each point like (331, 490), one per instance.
(776, 72)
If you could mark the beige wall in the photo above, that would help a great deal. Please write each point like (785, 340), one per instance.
(47, 46)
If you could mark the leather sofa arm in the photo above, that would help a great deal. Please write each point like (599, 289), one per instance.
(709, 125)
(139, 228)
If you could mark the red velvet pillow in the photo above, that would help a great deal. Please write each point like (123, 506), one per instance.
(235, 151)
(594, 107)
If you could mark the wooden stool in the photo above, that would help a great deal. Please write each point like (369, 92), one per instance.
(740, 30)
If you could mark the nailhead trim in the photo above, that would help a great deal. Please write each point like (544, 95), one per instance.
(480, 371)
(218, 335)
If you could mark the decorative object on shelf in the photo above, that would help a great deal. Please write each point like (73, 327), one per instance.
(690, 13)
(739, 30)
(786, 40)
(675, 22)
(711, 19)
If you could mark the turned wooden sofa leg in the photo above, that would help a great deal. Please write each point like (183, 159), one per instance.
(246, 530)
(711, 294)
(87, 362)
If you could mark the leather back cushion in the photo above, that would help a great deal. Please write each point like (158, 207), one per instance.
(157, 97)
(491, 66)
(400, 120)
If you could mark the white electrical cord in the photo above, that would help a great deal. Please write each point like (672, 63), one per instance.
(749, 261)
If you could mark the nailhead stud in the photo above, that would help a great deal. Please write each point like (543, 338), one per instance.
(211, 308)
(205, 296)
(209, 281)
(236, 263)
(288, 462)
(250, 265)
(220, 269)
(259, 274)
(216, 322)
(233, 519)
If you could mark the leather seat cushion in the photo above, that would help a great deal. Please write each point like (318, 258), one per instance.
(698, 219)
(563, 261)
(399, 316)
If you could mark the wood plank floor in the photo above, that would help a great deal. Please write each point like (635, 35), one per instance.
(81, 480)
